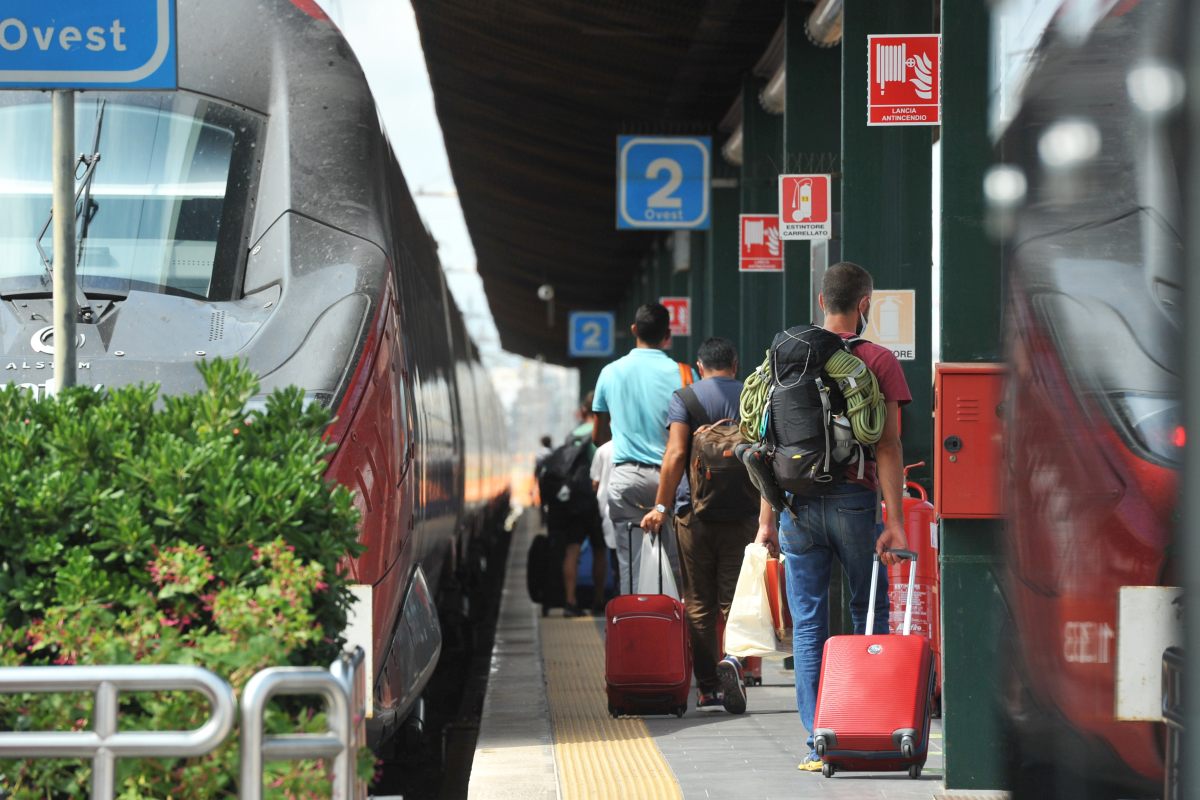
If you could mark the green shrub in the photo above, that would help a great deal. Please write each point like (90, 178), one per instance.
(181, 530)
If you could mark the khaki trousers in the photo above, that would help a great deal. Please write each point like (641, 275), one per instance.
(710, 557)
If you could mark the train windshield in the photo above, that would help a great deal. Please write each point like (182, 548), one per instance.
(163, 210)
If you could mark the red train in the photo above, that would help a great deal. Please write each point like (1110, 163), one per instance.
(1095, 423)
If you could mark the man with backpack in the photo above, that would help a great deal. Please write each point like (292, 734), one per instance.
(716, 519)
(630, 401)
(832, 492)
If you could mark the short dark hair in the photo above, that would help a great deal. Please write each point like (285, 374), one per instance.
(844, 284)
(652, 323)
(546, 441)
(717, 353)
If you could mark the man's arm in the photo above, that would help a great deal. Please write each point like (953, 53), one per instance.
(601, 428)
(889, 459)
(768, 528)
(674, 462)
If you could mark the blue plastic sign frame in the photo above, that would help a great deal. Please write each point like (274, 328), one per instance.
(663, 182)
(86, 44)
(590, 334)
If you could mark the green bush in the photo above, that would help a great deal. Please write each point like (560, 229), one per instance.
(181, 530)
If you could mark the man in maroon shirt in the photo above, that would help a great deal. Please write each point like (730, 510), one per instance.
(844, 523)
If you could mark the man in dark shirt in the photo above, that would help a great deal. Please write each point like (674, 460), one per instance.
(710, 550)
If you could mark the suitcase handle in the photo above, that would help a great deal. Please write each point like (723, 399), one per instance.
(629, 526)
(912, 576)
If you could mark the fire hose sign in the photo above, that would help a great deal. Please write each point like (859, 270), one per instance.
(904, 80)
(804, 207)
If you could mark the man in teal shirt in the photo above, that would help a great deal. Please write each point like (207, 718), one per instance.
(630, 401)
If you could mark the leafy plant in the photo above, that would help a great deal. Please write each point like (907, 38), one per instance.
(144, 529)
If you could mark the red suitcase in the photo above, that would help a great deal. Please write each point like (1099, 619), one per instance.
(647, 652)
(875, 698)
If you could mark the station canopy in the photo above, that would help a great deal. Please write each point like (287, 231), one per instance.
(532, 94)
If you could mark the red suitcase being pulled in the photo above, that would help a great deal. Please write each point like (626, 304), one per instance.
(875, 698)
(647, 652)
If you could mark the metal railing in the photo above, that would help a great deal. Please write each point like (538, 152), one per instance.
(1172, 713)
(342, 686)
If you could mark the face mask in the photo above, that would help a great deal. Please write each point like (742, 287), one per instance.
(862, 325)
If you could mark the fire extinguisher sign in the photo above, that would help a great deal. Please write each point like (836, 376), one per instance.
(892, 322)
(804, 207)
(904, 75)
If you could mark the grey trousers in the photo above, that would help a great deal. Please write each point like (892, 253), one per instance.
(631, 491)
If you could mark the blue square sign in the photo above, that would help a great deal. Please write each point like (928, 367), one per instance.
(591, 334)
(85, 44)
(662, 182)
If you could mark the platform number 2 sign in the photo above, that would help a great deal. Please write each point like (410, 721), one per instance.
(591, 334)
(663, 182)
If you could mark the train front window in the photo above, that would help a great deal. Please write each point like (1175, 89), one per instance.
(164, 209)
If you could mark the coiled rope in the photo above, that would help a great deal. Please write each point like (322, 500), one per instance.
(864, 403)
(865, 408)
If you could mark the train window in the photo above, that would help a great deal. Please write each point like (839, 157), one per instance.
(164, 209)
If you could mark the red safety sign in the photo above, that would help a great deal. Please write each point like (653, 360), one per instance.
(759, 244)
(904, 76)
(680, 309)
(804, 207)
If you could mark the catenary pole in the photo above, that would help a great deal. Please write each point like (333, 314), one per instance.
(63, 182)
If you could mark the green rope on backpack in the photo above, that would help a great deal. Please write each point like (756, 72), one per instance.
(864, 403)
(752, 404)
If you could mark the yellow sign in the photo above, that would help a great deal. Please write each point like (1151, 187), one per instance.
(893, 322)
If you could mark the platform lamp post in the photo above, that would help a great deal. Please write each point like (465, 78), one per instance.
(63, 187)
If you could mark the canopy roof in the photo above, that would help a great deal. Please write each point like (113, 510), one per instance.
(531, 95)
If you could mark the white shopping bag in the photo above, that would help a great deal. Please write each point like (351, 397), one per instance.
(654, 561)
(750, 629)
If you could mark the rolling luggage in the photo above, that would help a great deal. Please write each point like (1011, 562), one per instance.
(647, 652)
(875, 698)
(543, 572)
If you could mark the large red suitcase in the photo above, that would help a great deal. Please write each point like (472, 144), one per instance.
(875, 698)
(647, 652)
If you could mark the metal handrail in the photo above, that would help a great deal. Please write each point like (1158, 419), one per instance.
(1173, 668)
(104, 744)
(343, 688)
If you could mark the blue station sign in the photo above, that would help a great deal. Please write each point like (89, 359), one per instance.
(663, 182)
(86, 44)
(590, 334)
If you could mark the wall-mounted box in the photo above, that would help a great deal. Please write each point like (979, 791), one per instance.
(968, 440)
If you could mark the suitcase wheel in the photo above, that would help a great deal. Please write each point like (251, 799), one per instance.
(906, 746)
(914, 771)
(821, 747)
(680, 711)
(827, 769)
(752, 681)
(545, 611)
(614, 712)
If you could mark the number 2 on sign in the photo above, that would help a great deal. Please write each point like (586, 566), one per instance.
(592, 331)
(663, 197)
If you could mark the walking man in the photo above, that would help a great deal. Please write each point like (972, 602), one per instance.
(843, 522)
(716, 516)
(630, 401)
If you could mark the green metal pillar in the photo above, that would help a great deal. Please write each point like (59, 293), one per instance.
(886, 198)
(812, 140)
(761, 294)
(971, 554)
(696, 275)
(722, 313)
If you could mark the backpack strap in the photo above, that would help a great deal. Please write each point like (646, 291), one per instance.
(691, 401)
(685, 374)
(854, 341)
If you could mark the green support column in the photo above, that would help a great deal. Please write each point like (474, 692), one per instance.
(812, 138)
(722, 313)
(761, 295)
(971, 554)
(695, 289)
(886, 198)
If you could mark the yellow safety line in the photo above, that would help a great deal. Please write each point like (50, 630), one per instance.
(598, 756)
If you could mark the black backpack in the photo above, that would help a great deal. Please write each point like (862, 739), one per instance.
(565, 482)
(808, 434)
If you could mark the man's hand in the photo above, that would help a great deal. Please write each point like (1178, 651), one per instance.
(652, 522)
(769, 536)
(892, 538)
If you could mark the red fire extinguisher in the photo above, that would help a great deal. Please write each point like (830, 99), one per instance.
(920, 526)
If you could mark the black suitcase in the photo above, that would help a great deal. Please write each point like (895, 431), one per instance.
(543, 572)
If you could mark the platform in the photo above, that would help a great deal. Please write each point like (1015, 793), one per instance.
(546, 733)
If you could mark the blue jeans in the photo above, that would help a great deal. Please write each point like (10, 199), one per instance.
(841, 524)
